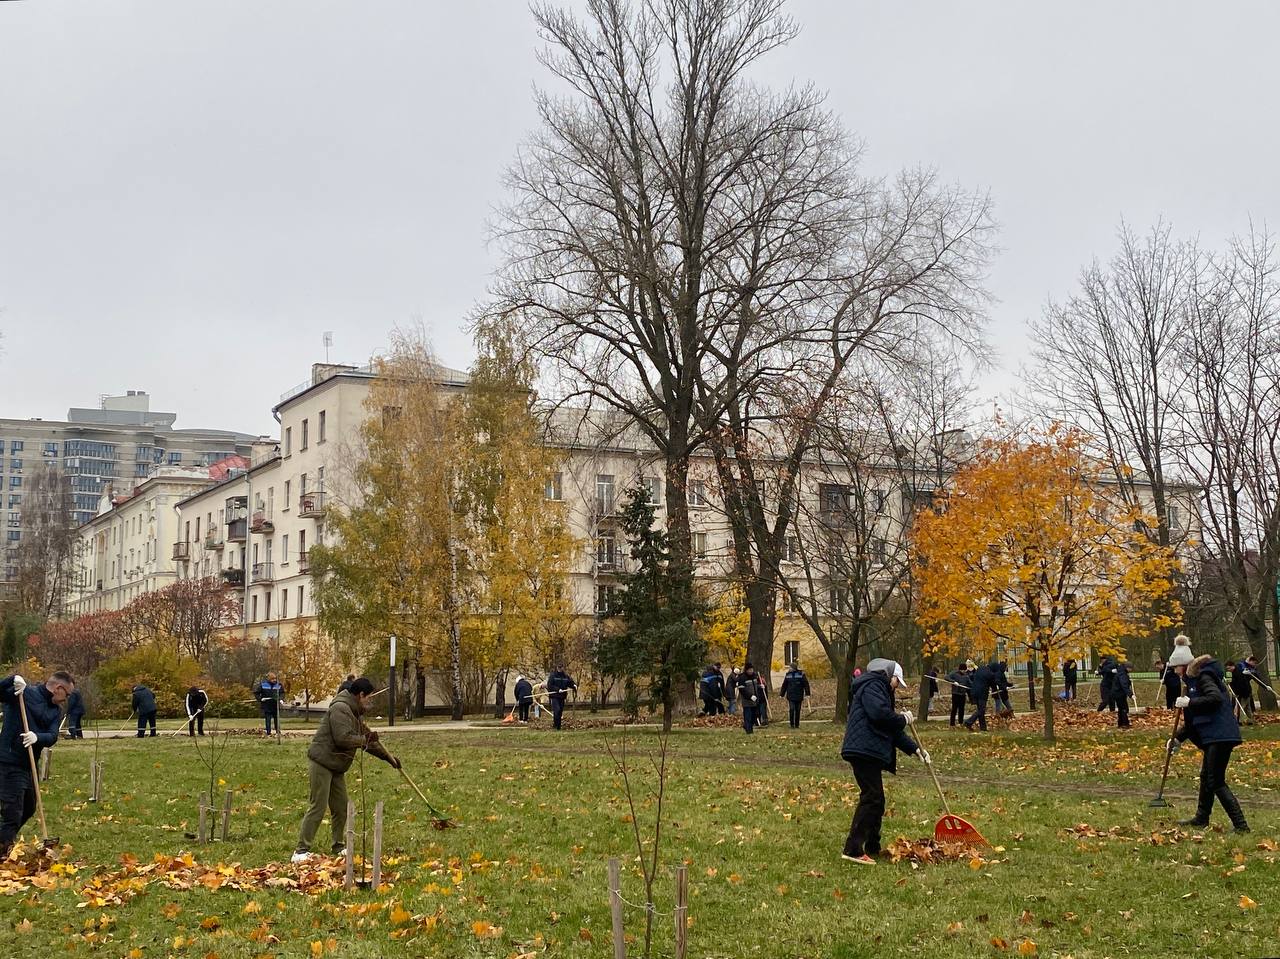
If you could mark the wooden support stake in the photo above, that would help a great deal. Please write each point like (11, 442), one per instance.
(93, 780)
(96, 773)
(615, 909)
(682, 911)
(350, 882)
(226, 815)
(46, 763)
(204, 812)
(377, 845)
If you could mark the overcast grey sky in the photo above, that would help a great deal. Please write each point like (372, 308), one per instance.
(192, 192)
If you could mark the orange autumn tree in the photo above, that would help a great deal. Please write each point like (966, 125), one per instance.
(1034, 550)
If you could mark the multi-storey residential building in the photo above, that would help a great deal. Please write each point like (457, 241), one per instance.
(111, 447)
(134, 544)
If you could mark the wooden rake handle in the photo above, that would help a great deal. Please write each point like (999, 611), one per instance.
(932, 772)
(31, 758)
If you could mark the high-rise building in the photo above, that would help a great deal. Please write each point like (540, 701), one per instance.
(113, 447)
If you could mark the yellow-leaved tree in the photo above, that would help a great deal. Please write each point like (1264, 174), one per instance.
(1033, 550)
(309, 664)
(726, 626)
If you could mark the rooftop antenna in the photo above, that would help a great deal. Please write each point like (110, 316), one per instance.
(328, 342)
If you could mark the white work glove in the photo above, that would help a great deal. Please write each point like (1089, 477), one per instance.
(909, 716)
(19, 684)
(754, 699)
(923, 755)
(28, 740)
(1182, 702)
(1174, 745)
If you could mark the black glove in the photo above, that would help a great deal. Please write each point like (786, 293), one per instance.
(370, 738)
(393, 761)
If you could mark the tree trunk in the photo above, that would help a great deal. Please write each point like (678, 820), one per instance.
(668, 711)
(500, 693)
(1031, 682)
(922, 702)
(760, 599)
(1047, 673)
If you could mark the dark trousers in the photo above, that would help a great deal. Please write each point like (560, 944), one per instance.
(1106, 700)
(1246, 700)
(712, 707)
(1002, 702)
(979, 714)
(196, 721)
(1170, 695)
(1122, 710)
(750, 716)
(146, 719)
(522, 710)
(957, 708)
(269, 718)
(557, 711)
(864, 831)
(17, 802)
(74, 729)
(1213, 783)
(793, 712)
(1070, 688)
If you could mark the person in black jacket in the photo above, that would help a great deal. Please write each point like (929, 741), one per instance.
(144, 705)
(1070, 675)
(1122, 692)
(44, 717)
(750, 697)
(981, 680)
(75, 715)
(731, 689)
(873, 733)
(1211, 726)
(197, 700)
(1172, 678)
(1000, 685)
(524, 698)
(958, 680)
(711, 691)
(1242, 684)
(558, 685)
(1107, 684)
(795, 687)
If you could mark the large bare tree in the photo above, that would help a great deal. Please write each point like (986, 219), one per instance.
(46, 551)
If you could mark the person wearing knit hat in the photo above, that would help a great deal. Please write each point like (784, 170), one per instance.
(873, 734)
(1212, 727)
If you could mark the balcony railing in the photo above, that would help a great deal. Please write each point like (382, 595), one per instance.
(182, 552)
(311, 504)
(304, 561)
(262, 573)
(236, 530)
(233, 576)
(262, 522)
(213, 540)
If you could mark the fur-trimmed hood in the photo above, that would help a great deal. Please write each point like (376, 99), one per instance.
(1205, 664)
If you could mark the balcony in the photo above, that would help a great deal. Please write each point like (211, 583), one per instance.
(311, 505)
(233, 576)
(304, 562)
(262, 573)
(236, 530)
(262, 523)
(182, 552)
(213, 540)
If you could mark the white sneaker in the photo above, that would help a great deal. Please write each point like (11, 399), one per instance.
(301, 856)
(340, 853)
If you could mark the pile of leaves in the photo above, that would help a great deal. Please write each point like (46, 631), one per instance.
(924, 852)
(1090, 720)
(1134, 833)
(719, 721)
(32, 866)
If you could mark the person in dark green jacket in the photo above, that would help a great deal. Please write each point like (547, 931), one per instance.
(333, 749)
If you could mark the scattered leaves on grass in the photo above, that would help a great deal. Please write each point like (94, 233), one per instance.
(1247, 903)
(927, 851)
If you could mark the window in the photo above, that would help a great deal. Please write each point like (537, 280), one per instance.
(837, 600)
(791, 651)
(15, 499)
(284, 556)
(302, 544)
(555, 487)
(268, 607)
(301, 595)
(304, 434)
(304, 484)
(699, 541)
(197, 527)
(175, 458)
(15, 535)
(652, 487)
(49, 449)
(287, 485)
(320, 428)
(785, 602)
(833, 498)
(792, 551)
(254, 617)
(284, 604)
(698, 493)
(15, 482)
(1173, 518)
(288, 440)
(606, 599)
(15, 446)
(606, 551)
(15, 465)
(604, 494)
(320, 479)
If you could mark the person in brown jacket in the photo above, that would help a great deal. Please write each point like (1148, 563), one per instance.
(333, 749)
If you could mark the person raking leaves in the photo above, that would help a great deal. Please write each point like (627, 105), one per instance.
(873, 734)
(23, 736)
(332, 751)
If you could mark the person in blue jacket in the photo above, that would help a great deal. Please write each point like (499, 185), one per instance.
(795, 687)
(75, 715)
(1212, 727)
(981, 681)
(144, 706)
(44, 717)
(524, 698)
(873, 734)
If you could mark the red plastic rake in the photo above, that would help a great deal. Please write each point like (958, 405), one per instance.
(950, 828)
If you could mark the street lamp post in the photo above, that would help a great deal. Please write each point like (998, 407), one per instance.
(391, 685)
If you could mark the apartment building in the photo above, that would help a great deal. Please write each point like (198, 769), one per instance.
(132, 546)
(110, 447)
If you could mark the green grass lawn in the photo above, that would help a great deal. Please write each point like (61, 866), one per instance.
(759, 821)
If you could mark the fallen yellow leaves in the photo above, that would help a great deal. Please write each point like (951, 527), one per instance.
(483, 929)
(1247, 903)
(921, 852)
